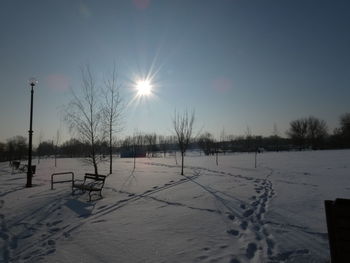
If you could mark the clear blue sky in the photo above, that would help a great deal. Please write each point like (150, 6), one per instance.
(239, 63)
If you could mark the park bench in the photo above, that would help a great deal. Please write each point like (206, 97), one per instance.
(15, 164)
(92, 183)
(338, 226)
(24, 168)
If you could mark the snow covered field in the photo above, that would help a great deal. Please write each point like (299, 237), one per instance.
(226, 213)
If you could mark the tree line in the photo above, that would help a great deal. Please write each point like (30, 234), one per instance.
(303, 133)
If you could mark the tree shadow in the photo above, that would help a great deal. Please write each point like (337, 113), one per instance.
(83, 209)
(128, 180)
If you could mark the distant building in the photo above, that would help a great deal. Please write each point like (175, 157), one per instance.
(130, 154)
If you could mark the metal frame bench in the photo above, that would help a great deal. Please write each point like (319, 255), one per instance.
(92, 183)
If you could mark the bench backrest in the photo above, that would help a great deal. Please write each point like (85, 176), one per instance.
(96, 179)
(338, 224)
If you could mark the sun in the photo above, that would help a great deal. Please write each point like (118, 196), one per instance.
(144, 88)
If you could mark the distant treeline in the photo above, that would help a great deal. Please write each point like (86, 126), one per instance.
(304, 133)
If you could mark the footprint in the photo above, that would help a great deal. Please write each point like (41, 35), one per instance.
(235, 260)
(51, 242)
(231, 217)
(244, 225)
(248, 213)
(55, 229)
(233, 232)
(270, 246)
(56, 222)
(255, 203)
(262, 210)
(257, 228)
(202, 257)
(243, 206)
(251, 249)
(50, 251)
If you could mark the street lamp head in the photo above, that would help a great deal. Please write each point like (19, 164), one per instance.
(33, 82)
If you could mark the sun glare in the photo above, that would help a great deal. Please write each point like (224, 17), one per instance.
(144, 88)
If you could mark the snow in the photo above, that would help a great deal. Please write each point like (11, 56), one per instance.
(231, 212)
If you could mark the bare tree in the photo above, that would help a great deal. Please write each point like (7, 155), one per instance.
(16, 148)
(151, 143)
(298, 131)
(57, 141)
(137, 146)
(112, 111)
(183, 126)
(83, 114)
(309, 131)
(275, 131)
(164, 143)
(206, 143)
(40, 139)
(223, 141)
(248, 139)
(344, 130)
(317, 131)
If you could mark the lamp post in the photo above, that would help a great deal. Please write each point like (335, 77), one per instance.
(32, 83)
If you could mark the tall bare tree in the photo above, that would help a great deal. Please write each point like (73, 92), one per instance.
(83, 114)
(183, 126)
(137, 145)
(308, 132)
(112, 111)
(151, 143)
(57, 141)
(298, 131)
(164, 143)
(344, 130)
(40, 139)
(206, 143)
(317, 131)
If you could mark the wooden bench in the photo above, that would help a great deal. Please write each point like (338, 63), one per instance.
(338, 225)
(92, 183)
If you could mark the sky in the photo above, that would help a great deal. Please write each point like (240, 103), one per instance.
(238, 63)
